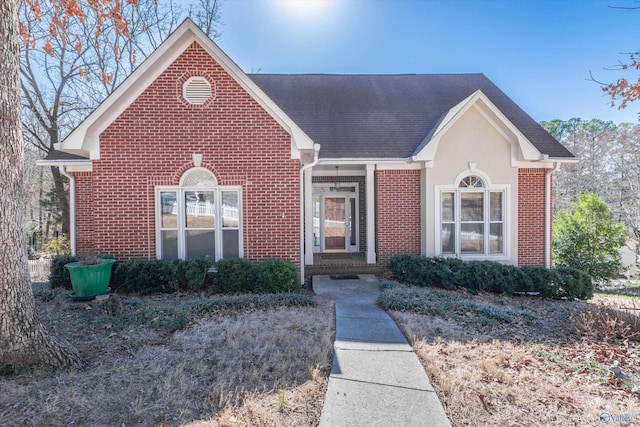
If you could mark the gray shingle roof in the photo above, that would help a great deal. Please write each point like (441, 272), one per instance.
(56, 155)
(386, 116)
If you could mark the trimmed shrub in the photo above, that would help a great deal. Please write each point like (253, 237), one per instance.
(234, 276)
(277, 276)
(490, 276)
(144, 276)
(539, 279)
(420, 271)
(190, 274)
(58, 275)
(405, 268)
(484, 276)
(574, 283)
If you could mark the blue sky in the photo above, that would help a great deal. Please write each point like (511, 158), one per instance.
(541, 53)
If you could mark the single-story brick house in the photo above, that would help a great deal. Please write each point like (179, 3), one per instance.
(191, 156)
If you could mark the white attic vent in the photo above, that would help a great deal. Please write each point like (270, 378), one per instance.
(196, 90)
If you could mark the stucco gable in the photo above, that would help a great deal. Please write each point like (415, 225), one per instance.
(522, 148)
(85, 139)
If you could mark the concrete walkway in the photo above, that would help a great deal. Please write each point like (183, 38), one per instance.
(376, 378)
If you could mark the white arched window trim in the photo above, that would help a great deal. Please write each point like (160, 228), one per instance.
(198, 218)
(472, 222)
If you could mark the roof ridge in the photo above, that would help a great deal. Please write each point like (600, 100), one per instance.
(364, 74)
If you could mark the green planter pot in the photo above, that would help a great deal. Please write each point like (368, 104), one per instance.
(90, 280)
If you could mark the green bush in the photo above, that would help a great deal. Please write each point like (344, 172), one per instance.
(539, 279)
(490, 276)
(190, 274)
(58, 275)
(144, 276)
(574, 283)
(420, 271)
(277, 276)
(485, 276)
(589, 238)
(234, 276)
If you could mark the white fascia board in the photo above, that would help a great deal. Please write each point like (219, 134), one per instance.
(479, 101)
(70, 165)
(546, 163)
(87, 135)
(363, 161)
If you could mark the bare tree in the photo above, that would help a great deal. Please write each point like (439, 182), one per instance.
(65, 74)
(206, 14)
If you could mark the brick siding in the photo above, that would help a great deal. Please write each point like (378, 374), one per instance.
(531, 213)
(151, 143)
(398, 213)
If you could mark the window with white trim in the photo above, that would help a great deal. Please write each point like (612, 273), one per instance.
(198, 218)
(472, 219)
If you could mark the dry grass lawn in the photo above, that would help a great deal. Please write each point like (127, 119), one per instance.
(154, 361)
(547, 366)
(167, 361)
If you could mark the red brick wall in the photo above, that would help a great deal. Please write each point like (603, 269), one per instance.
(397, 213)
(531, 189)
(84, 219)
(152, 143)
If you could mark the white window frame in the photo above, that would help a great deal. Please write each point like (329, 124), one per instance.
(181, 228)
(487, 190)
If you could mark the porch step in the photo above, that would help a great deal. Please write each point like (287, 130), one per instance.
(326, 270)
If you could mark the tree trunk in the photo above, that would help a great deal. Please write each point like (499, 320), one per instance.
(23, 338)
(63, 202)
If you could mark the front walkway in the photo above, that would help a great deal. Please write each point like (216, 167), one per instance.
(376, 378)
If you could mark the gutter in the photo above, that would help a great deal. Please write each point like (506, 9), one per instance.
(316, 152)
(72, 208)
(547, 214)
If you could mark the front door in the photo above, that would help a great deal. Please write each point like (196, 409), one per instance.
(335, 223)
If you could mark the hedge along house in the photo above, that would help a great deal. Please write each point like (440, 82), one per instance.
(192, 157)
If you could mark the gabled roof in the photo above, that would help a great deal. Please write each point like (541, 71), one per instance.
(85, 139)
(391, 116)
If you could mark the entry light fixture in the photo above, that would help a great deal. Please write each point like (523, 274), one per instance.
(336, 185)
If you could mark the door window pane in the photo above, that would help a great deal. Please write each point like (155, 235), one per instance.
(352, 221)
(230, 209)
(199, 209)
(334, 223)
(316, 220)
(472, 206)
(472, 238)
(200, 243)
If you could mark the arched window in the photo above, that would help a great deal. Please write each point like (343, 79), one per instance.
(198, 218)
(472, 219)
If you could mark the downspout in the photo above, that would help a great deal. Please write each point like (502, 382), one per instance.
(72, 208)
(316, 151)
(547, 214)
